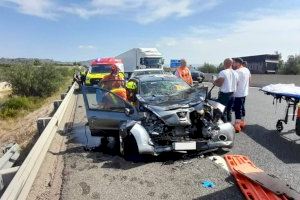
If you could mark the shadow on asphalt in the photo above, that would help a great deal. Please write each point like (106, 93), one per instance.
(284, 149)
(81, 142)
(231, 193)
(110, 157)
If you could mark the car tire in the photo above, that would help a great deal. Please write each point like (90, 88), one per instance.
(222, 151)
(117, 146)
(279, 126)
(130, 149)
(93, 134)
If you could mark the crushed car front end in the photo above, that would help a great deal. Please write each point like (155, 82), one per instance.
(185, 123)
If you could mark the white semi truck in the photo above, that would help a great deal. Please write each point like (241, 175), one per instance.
(141, 58)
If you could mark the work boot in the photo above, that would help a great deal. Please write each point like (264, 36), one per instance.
(242, 123)
(237, 126)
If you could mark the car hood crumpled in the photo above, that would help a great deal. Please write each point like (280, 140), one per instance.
(184, 99)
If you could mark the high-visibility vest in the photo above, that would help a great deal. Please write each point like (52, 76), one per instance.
(110, 82)
(121, 92)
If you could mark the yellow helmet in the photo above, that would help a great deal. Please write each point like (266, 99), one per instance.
(131, 85)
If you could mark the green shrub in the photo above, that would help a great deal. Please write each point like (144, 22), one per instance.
(208, 68)
(15, 106)
(41, 81)
(292, 65)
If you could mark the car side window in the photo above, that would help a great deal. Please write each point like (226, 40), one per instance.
(105, 101)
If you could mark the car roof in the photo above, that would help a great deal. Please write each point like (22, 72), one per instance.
(148, 69)
(154, 77)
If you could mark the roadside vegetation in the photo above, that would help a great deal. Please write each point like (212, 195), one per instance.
(31, 84)
(291, 66)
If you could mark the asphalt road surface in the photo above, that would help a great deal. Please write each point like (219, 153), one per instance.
(99, 175)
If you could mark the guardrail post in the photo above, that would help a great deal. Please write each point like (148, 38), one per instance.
(9, 158)
(6, 175)
(56, 104)
(42, 123)
(62, 96)
(6, 162)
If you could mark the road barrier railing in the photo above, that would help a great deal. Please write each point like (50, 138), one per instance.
(22, 182)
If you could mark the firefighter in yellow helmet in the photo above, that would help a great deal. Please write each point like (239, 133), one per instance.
(131, 88)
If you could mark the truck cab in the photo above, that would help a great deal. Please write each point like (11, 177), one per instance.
(100, 68)
(150, 58)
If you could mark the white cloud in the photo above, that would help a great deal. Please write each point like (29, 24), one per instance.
(82, 12)
(86, 47)
(167, 41)
(278, 31)
(142, 11)
(40, 8)
(157, 10)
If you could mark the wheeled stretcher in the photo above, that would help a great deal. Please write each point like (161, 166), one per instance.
(291, 94)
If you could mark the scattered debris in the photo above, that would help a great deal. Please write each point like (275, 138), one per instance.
(208, 184)
(219, 161)
(187, 162)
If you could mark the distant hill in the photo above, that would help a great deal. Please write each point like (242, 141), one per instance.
(85, 63)
(11, 61)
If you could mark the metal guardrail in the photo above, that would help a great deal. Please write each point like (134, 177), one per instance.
(22, 182)
(10, 156)
(6, 163)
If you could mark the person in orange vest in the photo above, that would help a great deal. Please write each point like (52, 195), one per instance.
(184, 73)
(113, 80)
(115, 83)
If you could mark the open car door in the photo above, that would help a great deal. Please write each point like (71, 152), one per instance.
(105, 111)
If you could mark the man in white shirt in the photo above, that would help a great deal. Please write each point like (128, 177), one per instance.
(240, 94)
(227, 81)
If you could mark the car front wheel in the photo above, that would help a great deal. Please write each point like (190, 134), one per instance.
(129, 148)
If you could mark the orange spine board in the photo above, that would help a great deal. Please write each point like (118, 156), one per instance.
(250, 189)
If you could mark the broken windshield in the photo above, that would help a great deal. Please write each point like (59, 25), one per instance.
(163, 87)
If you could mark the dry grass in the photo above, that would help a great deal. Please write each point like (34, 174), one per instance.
(4, 93)
(23, 130)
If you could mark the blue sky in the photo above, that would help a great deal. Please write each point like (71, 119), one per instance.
(198, 30)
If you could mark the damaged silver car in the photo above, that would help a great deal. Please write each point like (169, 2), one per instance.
(165, 115)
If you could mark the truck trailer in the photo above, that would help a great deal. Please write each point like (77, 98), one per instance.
(141, 58)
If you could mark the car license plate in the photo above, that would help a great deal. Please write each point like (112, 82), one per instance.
(181, 146)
